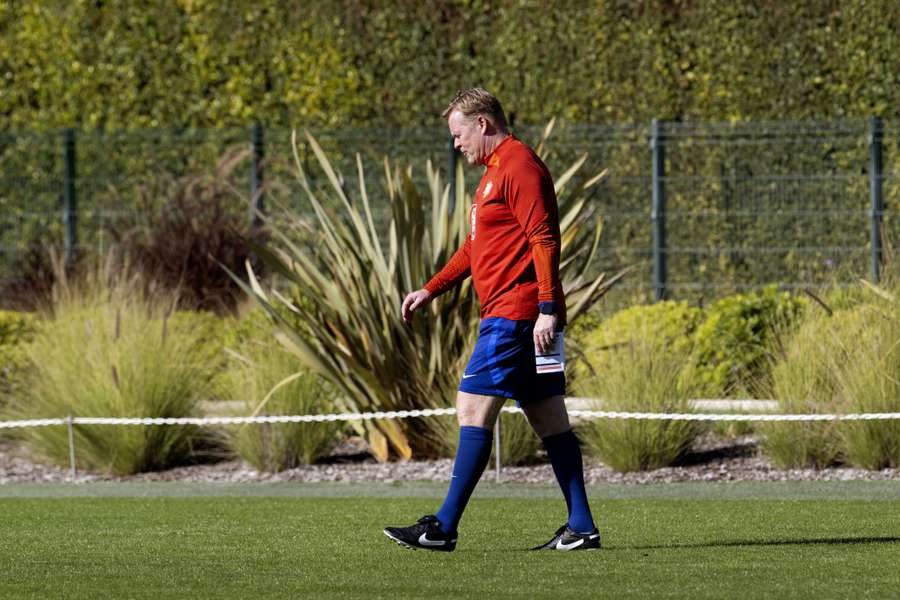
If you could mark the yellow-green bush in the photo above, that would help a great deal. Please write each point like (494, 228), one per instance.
(518, 442)
(16, 329)
(211, 335)
(730, 342)
(732, 345)
(668, 322)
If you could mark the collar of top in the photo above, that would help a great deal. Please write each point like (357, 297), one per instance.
(493, 159)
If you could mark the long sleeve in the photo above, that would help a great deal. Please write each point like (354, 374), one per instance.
(457, 269)
(533, 202)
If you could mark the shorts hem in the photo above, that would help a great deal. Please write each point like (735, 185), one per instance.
(509, 395)
(474, 389)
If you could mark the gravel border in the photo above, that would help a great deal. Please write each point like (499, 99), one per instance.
(715, 460)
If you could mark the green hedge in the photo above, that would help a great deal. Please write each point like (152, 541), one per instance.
(201, 63)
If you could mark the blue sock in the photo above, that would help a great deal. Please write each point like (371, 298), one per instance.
(471, 459)
(565, 457)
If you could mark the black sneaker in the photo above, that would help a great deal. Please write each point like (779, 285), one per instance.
(425, 534)
(566, 539)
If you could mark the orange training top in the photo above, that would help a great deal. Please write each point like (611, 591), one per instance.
(512, 250)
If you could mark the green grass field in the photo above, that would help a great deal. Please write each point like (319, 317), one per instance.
(838, 540)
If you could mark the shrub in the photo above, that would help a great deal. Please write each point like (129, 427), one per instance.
(670, 323)
(803, 382)
(272, 381)
(643, 375)
(190, 227)
(16, 329)
(107, 351)
(211, 335)
(869, 382)
(844, 363)
(732, 344)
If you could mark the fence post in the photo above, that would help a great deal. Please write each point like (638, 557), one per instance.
(658, 211)
(257, 206)
(73, 473)
(876, 168)
(70, 203)
(451, 174)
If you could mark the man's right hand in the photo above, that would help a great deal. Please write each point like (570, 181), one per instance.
(413, 301)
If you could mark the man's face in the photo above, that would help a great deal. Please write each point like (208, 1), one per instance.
(468, 136)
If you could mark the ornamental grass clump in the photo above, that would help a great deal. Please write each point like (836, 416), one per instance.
(840, 363)
(351, 332)
(642, 374)
(803, 382)
(271, 381)
(108, 350)
(869, 382)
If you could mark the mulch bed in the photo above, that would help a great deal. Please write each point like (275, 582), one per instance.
(714, 459)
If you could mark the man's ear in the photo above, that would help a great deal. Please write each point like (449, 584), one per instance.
(483, 124)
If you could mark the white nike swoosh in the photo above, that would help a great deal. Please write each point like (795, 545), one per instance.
(561, 546)
(423, 539)
(467, 376)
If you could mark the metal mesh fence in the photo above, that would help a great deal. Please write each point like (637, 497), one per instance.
(750, 204)
(747, 204)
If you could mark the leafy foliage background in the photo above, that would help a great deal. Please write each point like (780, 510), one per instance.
(196, 63)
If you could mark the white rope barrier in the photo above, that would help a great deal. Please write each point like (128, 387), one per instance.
(433, 412)
(71, 421)
(393, 414)
(31, 423)
(599, 414)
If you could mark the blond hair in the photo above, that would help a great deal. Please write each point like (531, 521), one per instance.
(477, 102)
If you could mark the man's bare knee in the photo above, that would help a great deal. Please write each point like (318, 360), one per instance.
(548, 417)
(474, 410)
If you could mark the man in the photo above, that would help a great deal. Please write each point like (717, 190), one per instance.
(512, 253)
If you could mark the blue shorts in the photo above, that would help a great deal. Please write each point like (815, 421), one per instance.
(502, 364)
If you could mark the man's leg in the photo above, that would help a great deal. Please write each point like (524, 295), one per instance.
(477, 415)
(550, 421)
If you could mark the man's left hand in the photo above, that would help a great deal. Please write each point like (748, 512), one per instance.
(544, 333)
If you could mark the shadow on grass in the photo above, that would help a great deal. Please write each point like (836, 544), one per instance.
(831, 541)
